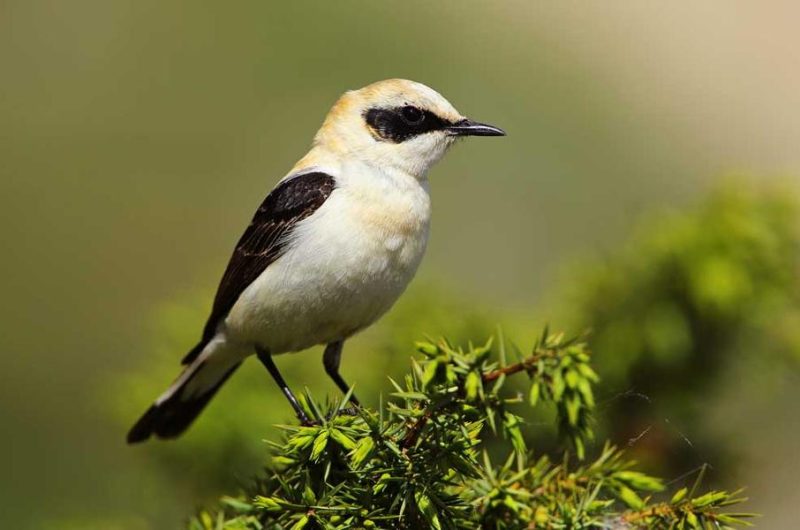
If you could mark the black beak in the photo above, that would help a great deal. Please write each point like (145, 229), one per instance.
(467, 127)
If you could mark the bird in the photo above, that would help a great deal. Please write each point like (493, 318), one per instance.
(329, 250)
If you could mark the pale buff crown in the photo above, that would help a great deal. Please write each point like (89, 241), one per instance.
(345, 133)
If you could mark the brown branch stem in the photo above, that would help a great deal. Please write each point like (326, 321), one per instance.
(526, 364)
(413, 433)
(657, 510)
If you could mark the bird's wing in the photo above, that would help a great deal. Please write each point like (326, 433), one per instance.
(264, 241)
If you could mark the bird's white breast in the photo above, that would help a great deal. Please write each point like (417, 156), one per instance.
(345, 265)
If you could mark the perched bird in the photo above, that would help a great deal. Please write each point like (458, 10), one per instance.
(329, 250)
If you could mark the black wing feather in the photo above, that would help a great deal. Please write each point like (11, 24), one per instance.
(264, 241)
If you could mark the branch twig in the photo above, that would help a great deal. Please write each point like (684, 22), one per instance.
(526, 364)
(413, 433)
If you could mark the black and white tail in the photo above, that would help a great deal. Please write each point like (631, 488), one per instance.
(176, 409)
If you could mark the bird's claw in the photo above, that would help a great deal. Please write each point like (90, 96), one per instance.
(350, 411)
(306, 422)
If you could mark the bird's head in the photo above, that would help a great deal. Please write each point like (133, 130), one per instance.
(398, 124)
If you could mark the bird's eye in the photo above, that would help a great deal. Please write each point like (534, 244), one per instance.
(412, 114)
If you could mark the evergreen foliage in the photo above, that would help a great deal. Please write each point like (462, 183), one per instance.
(422, 459)
(699, 307)
(690, 298)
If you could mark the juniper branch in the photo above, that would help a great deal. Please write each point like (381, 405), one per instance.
(422, 463)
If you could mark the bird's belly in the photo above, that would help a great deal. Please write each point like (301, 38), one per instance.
(337, 277)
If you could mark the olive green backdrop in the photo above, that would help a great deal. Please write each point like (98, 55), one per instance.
(137, 138)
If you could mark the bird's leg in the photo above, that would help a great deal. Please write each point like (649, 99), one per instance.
(266, 360)
(331, 359)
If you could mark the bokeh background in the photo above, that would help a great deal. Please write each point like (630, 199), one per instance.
(647, 190)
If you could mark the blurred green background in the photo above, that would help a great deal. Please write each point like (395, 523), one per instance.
(137, 138)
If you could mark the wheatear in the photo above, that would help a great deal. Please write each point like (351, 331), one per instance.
(329, 250)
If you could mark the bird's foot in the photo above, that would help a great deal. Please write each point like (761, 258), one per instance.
(352, 410)
(307, 422)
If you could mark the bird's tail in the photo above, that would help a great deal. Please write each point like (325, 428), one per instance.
(180, 404)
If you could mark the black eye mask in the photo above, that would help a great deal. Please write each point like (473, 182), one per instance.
(399, 124)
